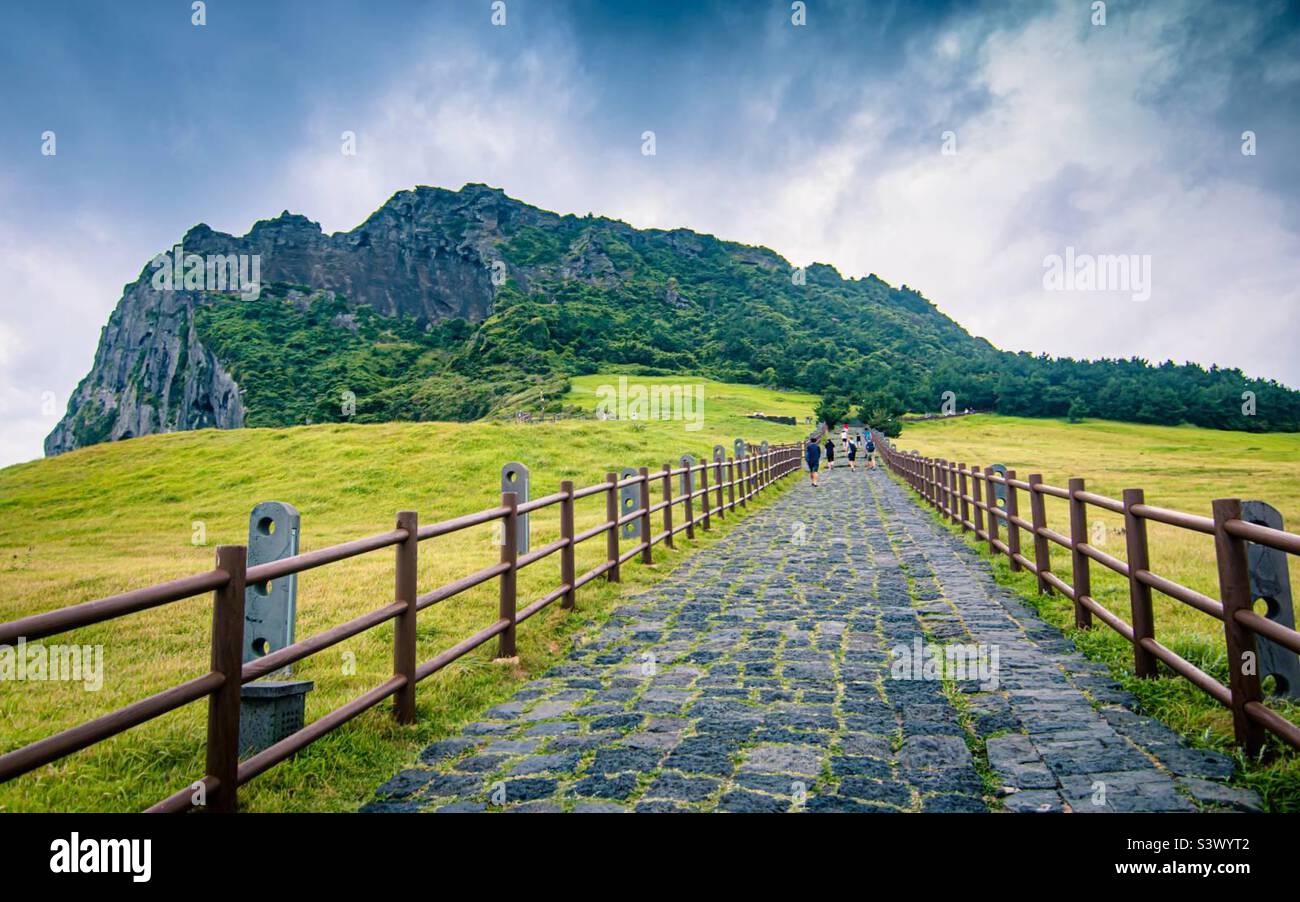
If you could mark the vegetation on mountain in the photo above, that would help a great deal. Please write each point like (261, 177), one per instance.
(453, 305)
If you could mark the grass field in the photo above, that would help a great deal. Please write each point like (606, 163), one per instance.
(110, 518)
(1184, 468)
(114, 517)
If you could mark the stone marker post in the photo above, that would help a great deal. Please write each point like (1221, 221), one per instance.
(271, 709)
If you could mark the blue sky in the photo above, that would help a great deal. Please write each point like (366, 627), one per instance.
(822, 141)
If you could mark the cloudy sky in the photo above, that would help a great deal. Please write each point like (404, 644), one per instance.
(824, 141)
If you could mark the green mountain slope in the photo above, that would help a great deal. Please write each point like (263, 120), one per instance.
(448, 305)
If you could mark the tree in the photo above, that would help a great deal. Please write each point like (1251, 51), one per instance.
(1078, 410)
(832, 410)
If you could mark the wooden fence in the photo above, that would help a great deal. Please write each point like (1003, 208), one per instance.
(967, 497)
(736, 480)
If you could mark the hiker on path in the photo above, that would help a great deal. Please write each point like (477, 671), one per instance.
(853, 456)
(830, 453)
(813, 454)
(871, 453)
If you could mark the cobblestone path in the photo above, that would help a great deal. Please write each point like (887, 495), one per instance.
(763, 674)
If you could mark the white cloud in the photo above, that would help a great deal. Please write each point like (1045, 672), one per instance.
(59, 293)
(459, 118)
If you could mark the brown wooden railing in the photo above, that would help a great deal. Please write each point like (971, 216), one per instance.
(967, 496)
(742, 479)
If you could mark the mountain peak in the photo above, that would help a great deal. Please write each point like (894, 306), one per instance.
(286, 221)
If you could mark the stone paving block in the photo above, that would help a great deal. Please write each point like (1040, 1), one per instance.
(951, 803)
(511, 746)
(527, 788)
(543, 764)
(619, 786)
(929, 752)
(752, 802)
(445, 749)
(675, 786)
(865, 789)
(463, 807)
(793, 760)
(1039, 801)
(1218, 796)
(405, 784)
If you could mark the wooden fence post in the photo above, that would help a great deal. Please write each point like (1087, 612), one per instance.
(227, 660)
(646, 556)
(568, 571)
(941, 486)
(704, 495)
(407, 567)
(1038, 515)
(1243, 657)
(977, 498)
(509, 555)
(1081, 579)
(963, 491)
(731, 483)
(688, 484)
(991, 499)
(743, 480)
(1139, 593)
(668, 505)
(611, 537)
(1013, 531)
(720, 462)
(952, 493)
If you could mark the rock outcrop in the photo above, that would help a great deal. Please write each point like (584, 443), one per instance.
(427, 253)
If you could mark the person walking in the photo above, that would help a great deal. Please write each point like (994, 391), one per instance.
(813, 454)
(853, 455)
(871, 453)
(830, 454)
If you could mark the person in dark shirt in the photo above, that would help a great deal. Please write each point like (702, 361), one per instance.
(853, 455)
(813, 454)
(830, 453)
(871, 453)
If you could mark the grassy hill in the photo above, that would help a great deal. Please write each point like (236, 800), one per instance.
(1184, 468)
(113, 517)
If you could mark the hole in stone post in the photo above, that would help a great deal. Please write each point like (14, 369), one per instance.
(266, 526)
(1266, 607)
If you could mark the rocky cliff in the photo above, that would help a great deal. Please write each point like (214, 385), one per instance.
(426, 254)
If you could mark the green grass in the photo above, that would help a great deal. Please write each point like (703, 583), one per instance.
(114, 517)
(1184, 468)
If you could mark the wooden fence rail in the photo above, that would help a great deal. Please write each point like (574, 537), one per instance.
(745, 479)
(943, 485)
